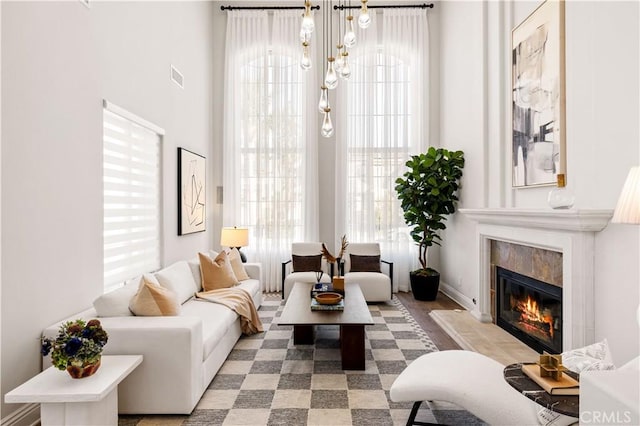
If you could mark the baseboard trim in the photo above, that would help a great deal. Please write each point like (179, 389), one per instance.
(26, 415)
(456, 296)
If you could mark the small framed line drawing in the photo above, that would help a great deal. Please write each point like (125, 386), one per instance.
(191, 192)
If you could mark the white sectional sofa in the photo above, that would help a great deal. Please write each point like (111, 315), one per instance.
(181, 353)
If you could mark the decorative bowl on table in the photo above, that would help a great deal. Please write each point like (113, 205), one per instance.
(328, 298)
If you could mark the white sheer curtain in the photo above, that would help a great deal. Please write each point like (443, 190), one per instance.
(270, 168)
(382, 119)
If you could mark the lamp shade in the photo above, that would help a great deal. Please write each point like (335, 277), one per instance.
(628, 207)
(234, 237)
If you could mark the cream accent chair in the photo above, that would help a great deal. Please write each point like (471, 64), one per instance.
(289, 277)
(375, 286)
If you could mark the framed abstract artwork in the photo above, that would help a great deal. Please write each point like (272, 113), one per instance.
(538, 97)
(191, 192)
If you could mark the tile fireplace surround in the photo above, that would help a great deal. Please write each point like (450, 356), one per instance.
(570, 232)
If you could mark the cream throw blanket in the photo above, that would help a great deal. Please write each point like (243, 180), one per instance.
(239, 301)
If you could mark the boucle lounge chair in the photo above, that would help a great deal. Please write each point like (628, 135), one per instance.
(471, 381)
(302, 256)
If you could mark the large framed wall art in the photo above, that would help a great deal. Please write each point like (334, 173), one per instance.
(191, 192)
(538, 108)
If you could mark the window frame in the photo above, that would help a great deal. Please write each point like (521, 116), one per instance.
(134, 120)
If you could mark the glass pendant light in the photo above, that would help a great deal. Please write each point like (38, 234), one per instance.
(324, 99)
(307, 20)
(327, 126)
(304, 36)
(339, 60)
(364, 20)
(346, 68)
(305, 62)
(350, 35)
(331, 79)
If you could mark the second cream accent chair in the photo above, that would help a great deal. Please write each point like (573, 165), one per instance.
(375, 286)
(290, 276)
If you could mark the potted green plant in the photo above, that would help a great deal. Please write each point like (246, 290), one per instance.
(428, 192)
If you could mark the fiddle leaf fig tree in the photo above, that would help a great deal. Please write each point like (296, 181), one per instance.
(428, 192)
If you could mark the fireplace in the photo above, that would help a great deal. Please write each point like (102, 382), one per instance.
(570, 232)
(529, 309)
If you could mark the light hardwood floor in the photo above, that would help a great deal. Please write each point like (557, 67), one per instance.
(420, 311)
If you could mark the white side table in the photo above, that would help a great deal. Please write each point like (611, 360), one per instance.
(88, 401)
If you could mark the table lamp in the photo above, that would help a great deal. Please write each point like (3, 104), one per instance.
(628, 207)
(235, 237)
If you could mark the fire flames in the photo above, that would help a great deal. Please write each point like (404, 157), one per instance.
(531, 313)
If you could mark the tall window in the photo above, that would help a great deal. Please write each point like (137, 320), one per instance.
(132, 196)
(382, 122)
(270, 153)
(378, 145)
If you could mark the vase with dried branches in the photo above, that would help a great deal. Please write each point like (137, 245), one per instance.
(333, 259)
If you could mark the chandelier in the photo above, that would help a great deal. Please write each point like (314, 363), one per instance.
(336, 66)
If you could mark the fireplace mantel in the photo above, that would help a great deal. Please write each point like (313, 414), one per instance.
(583, 220)
(570, 232)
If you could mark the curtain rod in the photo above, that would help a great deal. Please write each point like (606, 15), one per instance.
(266, 7)
(387, 6)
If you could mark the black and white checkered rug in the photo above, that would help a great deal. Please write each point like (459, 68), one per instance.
(266, 380)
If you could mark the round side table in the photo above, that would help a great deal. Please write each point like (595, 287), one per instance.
(563, 404)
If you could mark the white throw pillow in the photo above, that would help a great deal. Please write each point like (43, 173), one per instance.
(116, 302)
(179, 279)
(194, 265)
(595, 357)
(236, 265)
(549, 417)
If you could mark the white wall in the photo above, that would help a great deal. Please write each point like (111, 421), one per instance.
(0, 197)
(217, 76)
(462, 128)
(602, 90)
(59, 61)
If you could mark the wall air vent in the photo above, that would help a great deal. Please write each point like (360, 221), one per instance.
(177, 77)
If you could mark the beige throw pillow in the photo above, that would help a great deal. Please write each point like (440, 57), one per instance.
(152, 300)
(216, 273)
(236, 265)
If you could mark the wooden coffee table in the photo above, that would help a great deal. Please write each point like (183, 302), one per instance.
(356, 315)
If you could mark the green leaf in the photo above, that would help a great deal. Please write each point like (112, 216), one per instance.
(428, 192)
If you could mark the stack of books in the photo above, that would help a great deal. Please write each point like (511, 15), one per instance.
(565, 385)
(315, 306)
